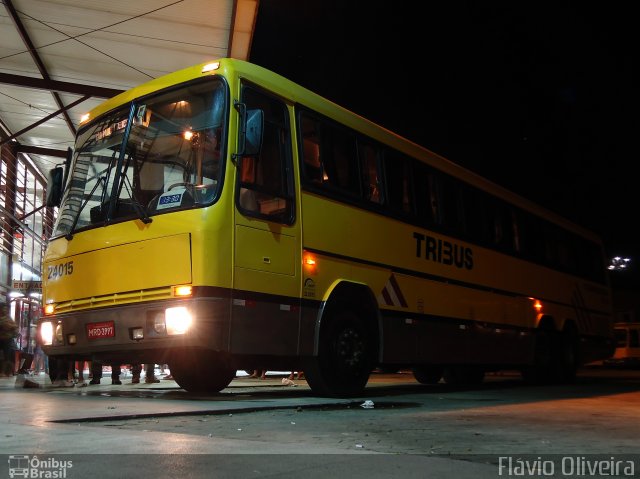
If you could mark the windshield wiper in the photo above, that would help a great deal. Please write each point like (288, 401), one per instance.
(101, 179)
(139, 207)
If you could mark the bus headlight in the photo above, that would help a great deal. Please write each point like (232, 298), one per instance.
(46, 333)
(178, 320)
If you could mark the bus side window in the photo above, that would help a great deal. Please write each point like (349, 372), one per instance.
(368, 155)
(341, 159)
(398, 180)
(435, 198)
(312, 164)
(423, 194)
(498, 225)
(633, 338)
(475, 214)
(517, 231)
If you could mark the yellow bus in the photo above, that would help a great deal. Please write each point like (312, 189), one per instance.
(223, 218)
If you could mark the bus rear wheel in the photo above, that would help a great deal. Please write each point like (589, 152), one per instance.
(345, 357)
(464, 375)
(205, 372)
(555, 358)
(566, 357)
(428, 374)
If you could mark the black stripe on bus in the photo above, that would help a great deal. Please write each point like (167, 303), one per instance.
(209, 291)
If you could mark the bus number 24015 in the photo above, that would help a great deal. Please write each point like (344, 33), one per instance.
(59, 270)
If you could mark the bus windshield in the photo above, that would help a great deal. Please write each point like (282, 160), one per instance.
(169, 158)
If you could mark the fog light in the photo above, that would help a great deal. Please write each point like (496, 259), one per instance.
(137, 333)
(178, 320)
(71, 339)
(59, 336)
(46, 333)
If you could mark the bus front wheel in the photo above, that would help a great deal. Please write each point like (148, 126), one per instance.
(345, 356)
(202, 373)
(54, 368)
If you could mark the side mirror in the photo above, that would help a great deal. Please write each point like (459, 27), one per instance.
(253, 135)
(54, 186)
(251, 130)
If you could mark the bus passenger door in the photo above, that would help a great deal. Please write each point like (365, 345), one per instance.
(267, 263)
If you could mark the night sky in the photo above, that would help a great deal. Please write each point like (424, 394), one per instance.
(540, 100)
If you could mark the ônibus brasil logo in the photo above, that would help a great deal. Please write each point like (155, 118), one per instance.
(22, 465)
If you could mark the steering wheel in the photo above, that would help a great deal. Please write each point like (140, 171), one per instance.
(188, 186)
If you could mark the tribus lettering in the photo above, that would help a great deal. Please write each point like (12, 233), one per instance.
(442, 251)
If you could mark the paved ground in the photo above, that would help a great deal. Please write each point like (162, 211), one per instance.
(439, 429)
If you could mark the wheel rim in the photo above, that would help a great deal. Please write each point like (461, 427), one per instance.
(349, 350)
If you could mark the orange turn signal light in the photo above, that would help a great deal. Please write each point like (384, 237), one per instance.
(309, 262)
(185, 290)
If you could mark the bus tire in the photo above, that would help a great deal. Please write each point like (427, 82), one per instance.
(202, 373)
(53, 369)
(540, 372)
(345, 359)
(463, 375)
(428, 374)
(565, 357)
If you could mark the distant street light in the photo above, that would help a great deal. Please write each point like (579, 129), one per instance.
(619, 264)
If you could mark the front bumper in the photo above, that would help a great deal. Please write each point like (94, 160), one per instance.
(209, 330)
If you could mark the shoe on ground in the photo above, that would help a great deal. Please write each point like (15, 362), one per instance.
(169, 376)
(116, 382)
(81, 384)
(151, 380)
(60, 383)
(135, 380)
(94, 381)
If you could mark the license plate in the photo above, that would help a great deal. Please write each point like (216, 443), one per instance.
(105, 329)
